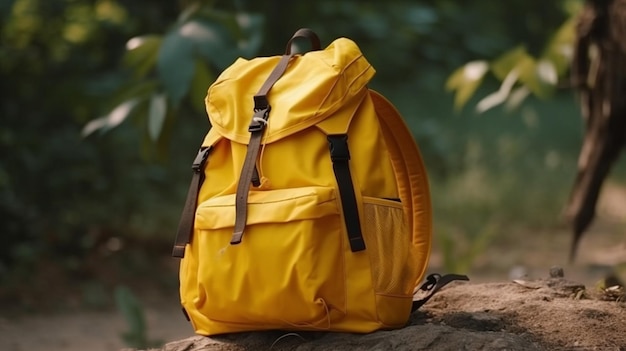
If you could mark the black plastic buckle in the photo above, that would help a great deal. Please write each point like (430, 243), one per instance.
(260, 102)
(198, 163)
(338, 145)
(259, 119)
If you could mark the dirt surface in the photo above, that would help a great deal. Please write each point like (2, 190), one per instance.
(88, 330)
(540, 314)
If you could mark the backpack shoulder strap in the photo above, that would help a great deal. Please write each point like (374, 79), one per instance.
(412, 181)
(185, 226)
(410, 175)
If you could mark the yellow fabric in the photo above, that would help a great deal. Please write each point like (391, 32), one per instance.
(294, 269)
(314, 74)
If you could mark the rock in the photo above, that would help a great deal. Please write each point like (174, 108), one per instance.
(556, 272)
(465, 316)
(556, 284)
(415, 337)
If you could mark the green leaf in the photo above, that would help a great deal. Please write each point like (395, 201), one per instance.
(226, 20)
(219, 37)
(503, 65)
(516, 97)
(190, 11)
(496, 98)
(175, 64)
(573, 7)
(141, 53)
(132, 311)
(466, 80)
(211, 40)
(140, 90)
(146, 148)
(114, 118)
(156, 115)
(540, 77)
(202, 78)
(252, 28)
(165, 139)
(559, 49)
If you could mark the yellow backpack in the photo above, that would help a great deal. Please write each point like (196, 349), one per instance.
(309, 208)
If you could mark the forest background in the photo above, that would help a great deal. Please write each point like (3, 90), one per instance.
(101, 113)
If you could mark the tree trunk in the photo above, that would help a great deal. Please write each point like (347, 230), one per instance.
(599, 74)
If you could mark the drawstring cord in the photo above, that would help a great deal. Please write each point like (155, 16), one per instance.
(262, 178)
(314, 325)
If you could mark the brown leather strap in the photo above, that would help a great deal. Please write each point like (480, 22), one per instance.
(262, 109)
(185, 226)
(260, 99)
(306, 33)
(243, 187)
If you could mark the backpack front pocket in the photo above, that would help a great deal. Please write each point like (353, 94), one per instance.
(288, 271)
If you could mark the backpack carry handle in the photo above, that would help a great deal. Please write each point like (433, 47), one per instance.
(305, 33)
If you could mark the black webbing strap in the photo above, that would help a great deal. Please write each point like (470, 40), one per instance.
(185, 226)
(262, 108)
(340, 155)
(434, 283)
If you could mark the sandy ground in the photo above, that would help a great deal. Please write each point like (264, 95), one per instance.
(87, 330)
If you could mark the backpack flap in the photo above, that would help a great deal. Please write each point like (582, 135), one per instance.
(314, 86)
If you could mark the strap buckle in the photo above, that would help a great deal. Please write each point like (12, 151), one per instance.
(259, 119)
(200, 159)
(339, 150)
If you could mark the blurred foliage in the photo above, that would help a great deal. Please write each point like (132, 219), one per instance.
(179, 64)
(63, 198)
(520, 72)
(134, 314)
(73, 191)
